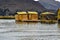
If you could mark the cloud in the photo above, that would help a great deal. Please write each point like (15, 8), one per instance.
(36, 0)
(57, 0)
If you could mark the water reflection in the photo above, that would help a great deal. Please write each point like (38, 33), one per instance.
(10, 30)
(26, 22)
(58, 25)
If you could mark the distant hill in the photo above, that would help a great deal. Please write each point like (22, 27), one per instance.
(48, 4)
(21, 5)
(9, 7)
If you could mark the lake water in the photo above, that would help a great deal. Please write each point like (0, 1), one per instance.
(9, 30)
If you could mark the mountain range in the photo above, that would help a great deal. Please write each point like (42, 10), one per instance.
(48, 4)
(7, 7)
(11, 6)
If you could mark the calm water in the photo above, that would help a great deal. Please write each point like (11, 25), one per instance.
(9, 30)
